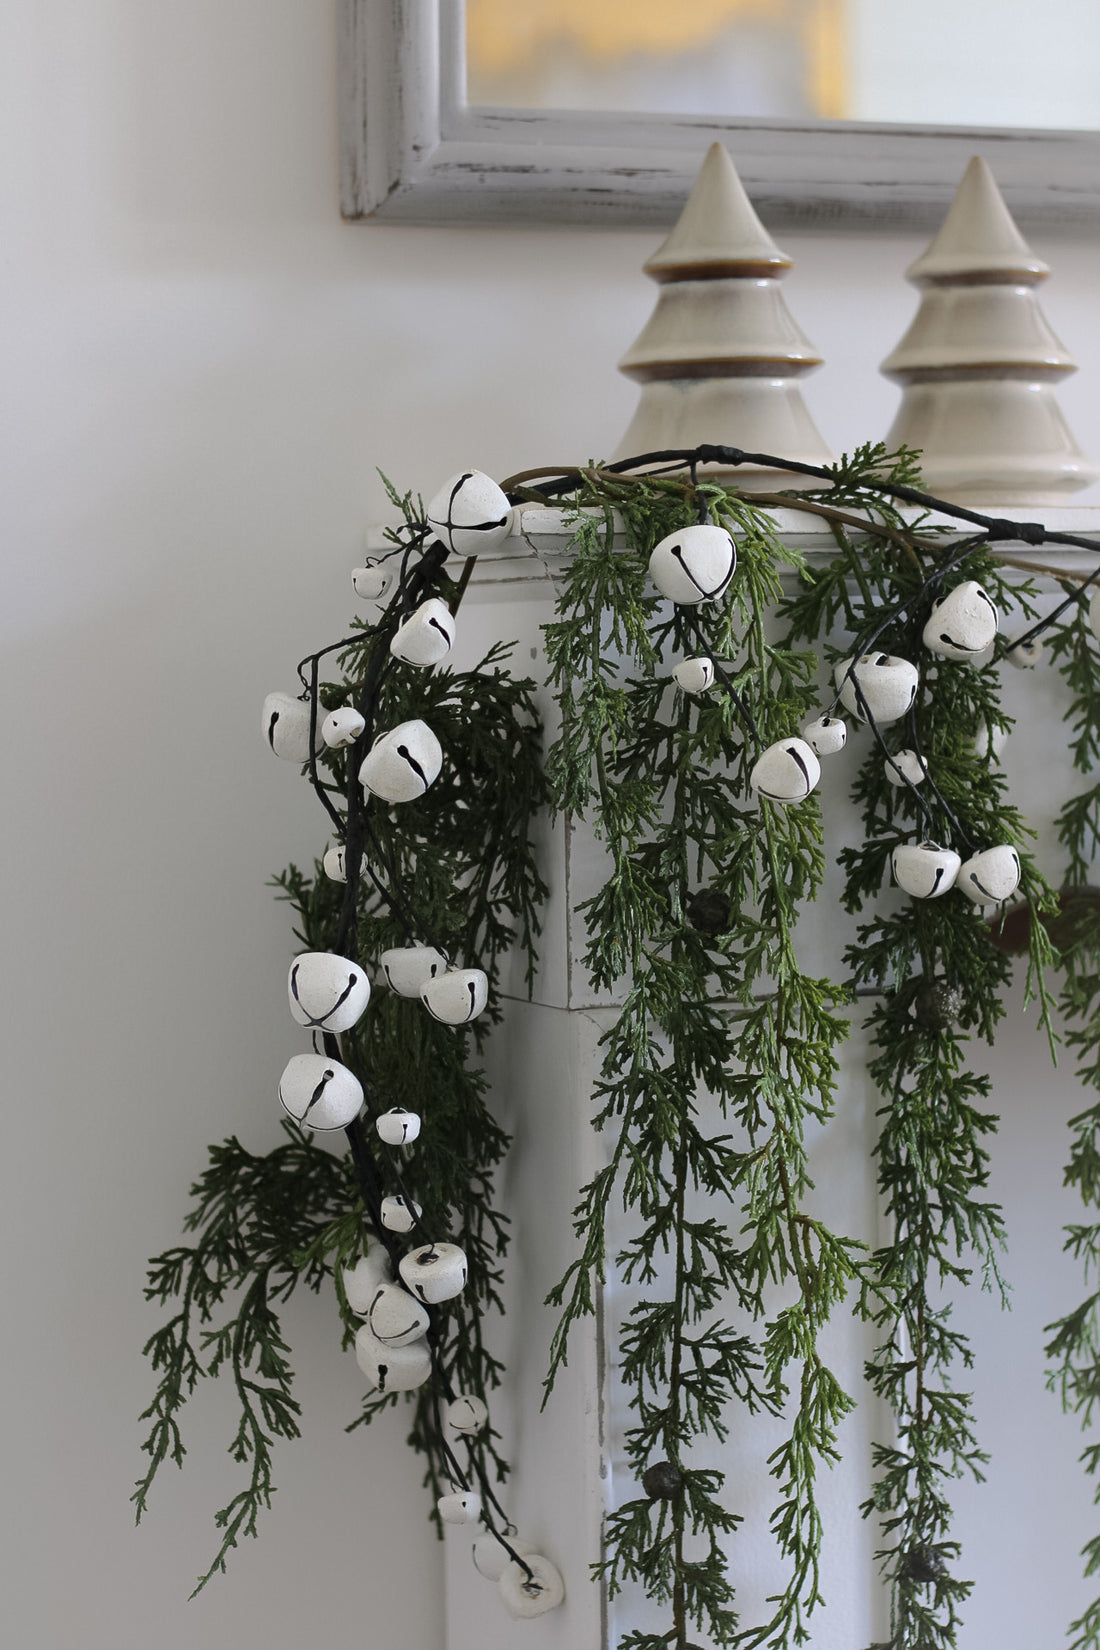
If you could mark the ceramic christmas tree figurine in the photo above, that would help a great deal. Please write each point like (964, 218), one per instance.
(720, 358)
(980, 364)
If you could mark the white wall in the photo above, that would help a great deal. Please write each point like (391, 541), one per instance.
(201, 369)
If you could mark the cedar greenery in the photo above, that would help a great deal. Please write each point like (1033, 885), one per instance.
(695, 931)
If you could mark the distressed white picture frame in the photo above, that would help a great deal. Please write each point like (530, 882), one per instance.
(412, 152)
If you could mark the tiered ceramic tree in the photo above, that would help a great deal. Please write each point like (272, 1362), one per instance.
(980, 363)
(720, 358)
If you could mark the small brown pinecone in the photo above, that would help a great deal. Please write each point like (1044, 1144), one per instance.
(709, 911)
(937, 1006)
(662, 1481)
(921, 1564)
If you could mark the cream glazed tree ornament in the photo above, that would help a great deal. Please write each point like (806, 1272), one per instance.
(980, 365)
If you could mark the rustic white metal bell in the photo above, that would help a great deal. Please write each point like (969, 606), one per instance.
(400, 1214)
(531, 1592)
(694, 675)
(906, 768)
(434, 1272)
(342, 727)
(402, 763)
(361, 1280)
(427, 635)
(408, 968)
(335, 863)
(786, 772)
(460, 1507)
(457, 996)
(826, 735)
(319, 1092)
(962, 624)
(490, 1558)
(394, 1318)
(373, 582)
(694, 565)
(327, 992)
(470, 513)
(467, 1414)
(392, 1368)
(991, 877)
(886, 691)
(397, 1127)
(1024, 655)
(924, 869)
(286, 726)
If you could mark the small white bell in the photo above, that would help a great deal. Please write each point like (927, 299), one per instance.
(467, 1414)
(826, 736)
(786, 772)
(319, 1092)
(906, 767)
(924, 869)
(988, 745)
(342, 727)
(392, 1368)
(435, 1272)
(335, 863)
(397, 1127)
(460, 1507)
(408, 968)
(402, 763)
(427, 635)
(694, 675)
(470, 513)
(490, 1558)
(457, 996)
(531, 1592)
(400, 1214)
(394, 1318)
(991, 877)
(373, 582)
(327, 992)
(1024, 655)
(887, 684)
(694, 565)
(286, 726)
(962, 624)
(361, 1280)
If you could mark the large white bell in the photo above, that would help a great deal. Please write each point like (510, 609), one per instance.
(394, 1317)
(401, 764)
(392, 1368)
(693, 565)
(319, 1092)
(786, 772)
(434, 1272)
(427, 635)
(470, 513)
(286, 726)
(991, 877)
(408, 968)
(457, 996)
(531, 1591)
(887, 687)
(962, 624)
(924, 869)
(327, 992)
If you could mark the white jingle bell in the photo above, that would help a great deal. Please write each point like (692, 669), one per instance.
(408, 968)
(361, 1280)
(694, 675)
(924, 869)
(394, 1318)
(470, 513)
(694, 565)
(373, 582)
(962, 624)
(286, 726)
(460, 1507)
(786, 772)
(989, 745)
(906, 768)
(435, 1272)
(400, 1214)
(402, 763)
(319, 1092)
(342, 727)
(826, 736)
(392, 1368)
(467, 1414)
(531, 1591)
(491, 1559)
(1024, 655)
(335, 863)
(991, 877)
(397, 1127)
(327, 992)
(887, 687)
(457, 996)
(427, 635)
